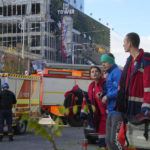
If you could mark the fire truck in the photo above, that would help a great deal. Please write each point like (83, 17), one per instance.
(27, 91)
(44, 90)
(56, 80)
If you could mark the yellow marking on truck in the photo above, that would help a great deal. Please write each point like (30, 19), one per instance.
(25, 112)
(27, 99)
(23, 101)
(23, 76)
(35, 101)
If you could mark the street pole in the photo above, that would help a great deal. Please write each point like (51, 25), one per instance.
(23, 26)
(73, 53)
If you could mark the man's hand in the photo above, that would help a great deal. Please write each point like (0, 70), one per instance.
(104, 99)
(99, 94)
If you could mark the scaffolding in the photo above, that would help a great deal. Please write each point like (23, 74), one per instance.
(26, 24)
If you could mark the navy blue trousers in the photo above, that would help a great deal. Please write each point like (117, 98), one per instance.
(6, 115)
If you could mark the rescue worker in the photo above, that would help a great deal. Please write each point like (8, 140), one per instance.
(96, 90)
(7, 99)
(72, 98)
(114, 118)
(134, 93)
(135, 77)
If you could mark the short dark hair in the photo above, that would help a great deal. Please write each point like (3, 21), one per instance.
(99, 70)
(111, 55)
(134, 39)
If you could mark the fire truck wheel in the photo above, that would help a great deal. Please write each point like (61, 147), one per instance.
(21, 127)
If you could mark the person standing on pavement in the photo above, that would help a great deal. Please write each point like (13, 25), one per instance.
(134, 91)
(96, 90)
(7, 99)
(114, 118)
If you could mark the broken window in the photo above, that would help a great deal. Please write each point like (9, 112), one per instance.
(1, 42)
(46, 40)
(18, 28)
(9, 10)
(5, 41)
(14, 28)
(9, 41)
(19, 10)
(1, 28)
(19, 39)
(35, 27)
(50, 42)
(5, 11)
(9, 28)
(23, 9)
(14, 42)
(36, 51)
(14, 10)
(35, 8)
(1, 10)
(46, 26)
(33, 51)
(4, 28)
(35, 41)
(46, 53)
(38, 8)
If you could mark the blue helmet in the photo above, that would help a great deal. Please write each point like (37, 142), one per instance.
(5, 85)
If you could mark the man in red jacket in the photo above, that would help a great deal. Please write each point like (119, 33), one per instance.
(134, 93)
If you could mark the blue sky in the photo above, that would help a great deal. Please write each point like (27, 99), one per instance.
(124, 16)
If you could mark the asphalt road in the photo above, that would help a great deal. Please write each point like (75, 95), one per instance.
(71, 140)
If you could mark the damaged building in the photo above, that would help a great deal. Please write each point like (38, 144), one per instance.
(32, 28)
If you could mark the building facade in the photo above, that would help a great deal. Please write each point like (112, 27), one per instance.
(90, 38)
(26, 23)
(35, 27)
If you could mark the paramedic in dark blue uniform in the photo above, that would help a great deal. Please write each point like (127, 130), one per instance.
(7, 99)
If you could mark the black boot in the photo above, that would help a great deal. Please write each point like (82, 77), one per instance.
(1, 138)
(11, 138)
